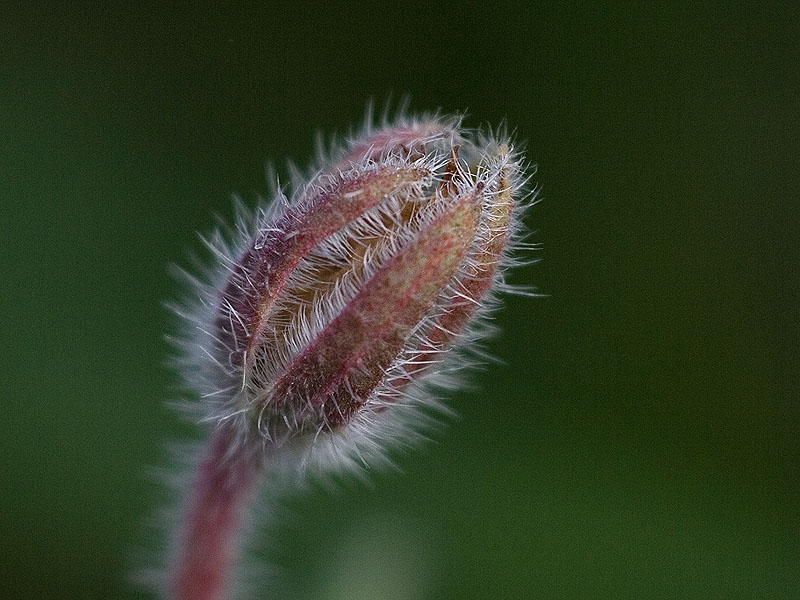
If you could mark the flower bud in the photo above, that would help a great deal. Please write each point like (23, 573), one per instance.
(336, 305)
(326, 318)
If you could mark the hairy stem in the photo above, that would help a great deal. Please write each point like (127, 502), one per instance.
(220, 491)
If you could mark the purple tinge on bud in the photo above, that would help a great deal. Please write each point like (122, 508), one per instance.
(366, 280)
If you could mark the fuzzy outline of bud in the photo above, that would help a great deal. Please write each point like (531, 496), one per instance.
(447, 248)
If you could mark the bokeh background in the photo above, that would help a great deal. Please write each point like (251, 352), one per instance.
(640, 439)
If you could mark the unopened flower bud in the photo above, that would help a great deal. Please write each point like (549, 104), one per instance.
(328, 314)
(362, 283)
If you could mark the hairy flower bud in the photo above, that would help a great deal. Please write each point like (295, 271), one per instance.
(362, 283)
(327, 315)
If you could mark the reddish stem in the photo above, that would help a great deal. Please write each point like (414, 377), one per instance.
(219, 495)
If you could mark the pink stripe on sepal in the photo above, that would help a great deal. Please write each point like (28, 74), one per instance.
(484, 258)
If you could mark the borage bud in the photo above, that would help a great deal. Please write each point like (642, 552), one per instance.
(329, 312)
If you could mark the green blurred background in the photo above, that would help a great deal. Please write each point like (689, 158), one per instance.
(640, 439)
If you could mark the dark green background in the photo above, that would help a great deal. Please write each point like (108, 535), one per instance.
(641, 439)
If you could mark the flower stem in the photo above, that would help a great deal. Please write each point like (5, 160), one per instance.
(220, 491)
